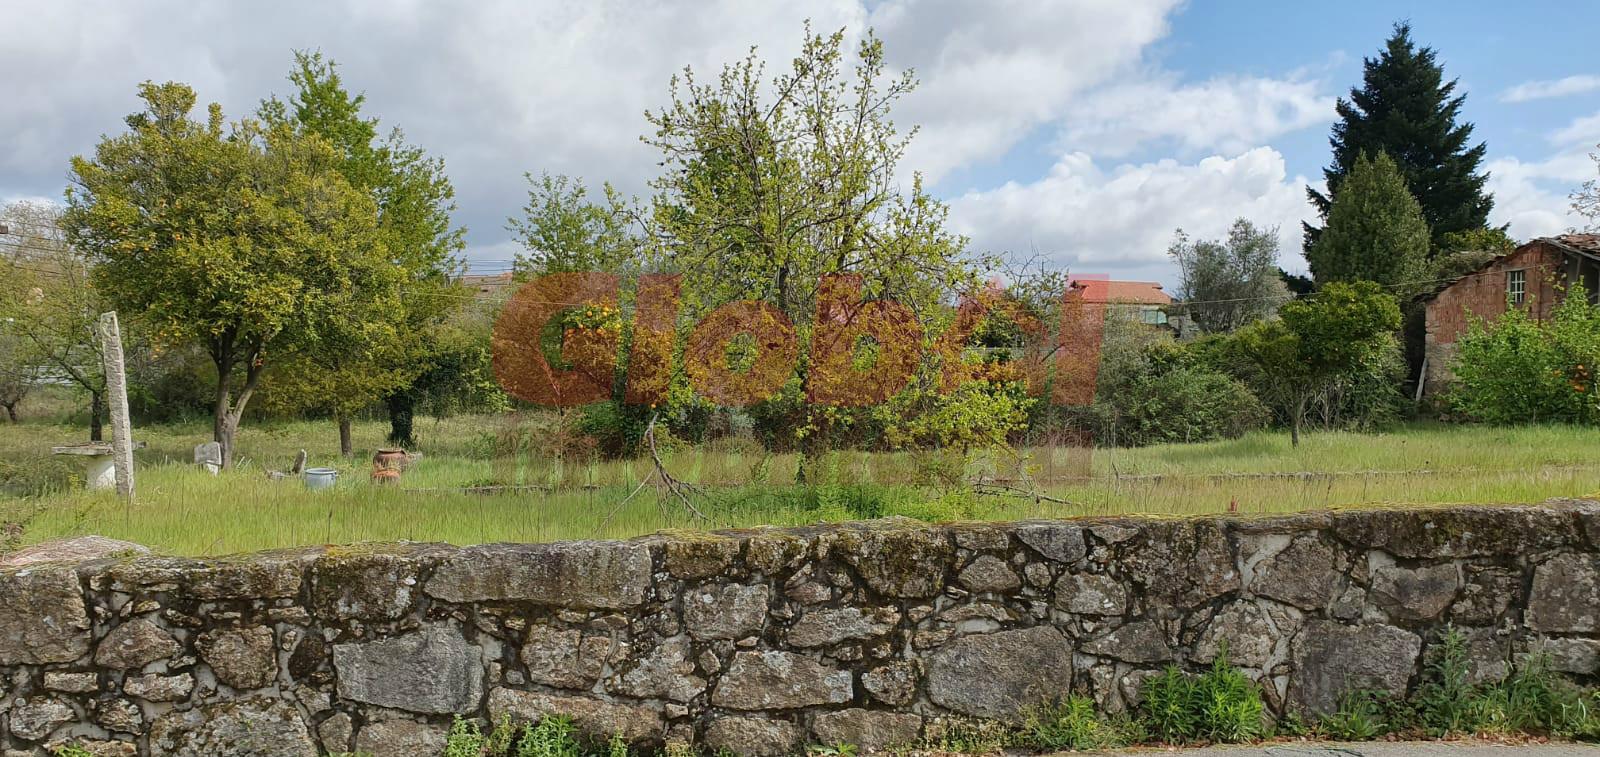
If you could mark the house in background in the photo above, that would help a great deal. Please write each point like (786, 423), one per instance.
(1533, 278)
(1141, 300)
(488, 287)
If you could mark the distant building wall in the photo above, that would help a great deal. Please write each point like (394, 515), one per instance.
(1482, 294)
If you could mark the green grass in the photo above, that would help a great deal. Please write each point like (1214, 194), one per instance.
(183, 511)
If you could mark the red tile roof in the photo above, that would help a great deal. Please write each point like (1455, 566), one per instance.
(1136, 292)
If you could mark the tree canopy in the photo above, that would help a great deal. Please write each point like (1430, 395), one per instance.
(1405, 109)
(1315, 342)
(769, 185)
(1226, 284)
(380, 347)
(247, 239)
(561, 230)
(1375, 230)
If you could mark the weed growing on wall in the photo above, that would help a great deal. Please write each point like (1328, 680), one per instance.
(1531, 699)
(1071, 723)
(1220, 705)
(552, 736)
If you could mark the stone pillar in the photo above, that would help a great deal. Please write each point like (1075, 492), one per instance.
(117, 389)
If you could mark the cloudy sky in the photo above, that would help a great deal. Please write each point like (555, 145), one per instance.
(1085, 130)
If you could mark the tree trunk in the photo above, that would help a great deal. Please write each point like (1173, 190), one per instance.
(346, 446)
(11, 411)
(219, 414)
(1294, 423)
(401, 416)
(97, 410)
(813, 448)
(229, 410)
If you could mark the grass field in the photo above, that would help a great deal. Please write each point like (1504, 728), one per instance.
(183, 511)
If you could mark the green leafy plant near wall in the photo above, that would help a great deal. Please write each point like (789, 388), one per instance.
(1219, 705)
(552, 736)
(1532, 698)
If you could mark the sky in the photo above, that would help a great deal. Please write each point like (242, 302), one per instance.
(1083, 131)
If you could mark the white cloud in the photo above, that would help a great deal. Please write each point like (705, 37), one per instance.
(1533, 196)
(1227, 114)
(1582, 131)
(1548, 88)
(1121, 221)
(499, 87)
(992, 72)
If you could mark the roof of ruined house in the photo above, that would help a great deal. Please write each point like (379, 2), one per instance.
(1583, 244)
(1587, 245)
(1136, 292)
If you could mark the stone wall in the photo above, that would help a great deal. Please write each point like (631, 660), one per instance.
(765, 640)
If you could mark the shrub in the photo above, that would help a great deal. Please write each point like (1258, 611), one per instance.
(1445, 699)
(1188, 404)
(1535, 699)
(1168, 708)
(1069, 724)
(1229, 704)
(1361, 716)
(464, 739)
(552, 736)
(1219, 705)
(1518, 370)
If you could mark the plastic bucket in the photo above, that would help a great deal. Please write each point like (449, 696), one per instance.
(321, 478)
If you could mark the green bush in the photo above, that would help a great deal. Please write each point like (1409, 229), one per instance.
(552, 736)
(1518, 370)
(1071, 723)
(1187, 404)
(1361, 716)
(1219, 705)
(1445, 700)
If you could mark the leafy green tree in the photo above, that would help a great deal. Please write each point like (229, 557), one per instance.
(561, 230)
(1226, 284)
(771, 184)
(1463, 252)
(378, 350)
(246, 239)
(18, 372)
(1375, 230)
(1315, 342)
(53, 307)
(1406, 109)
(769, 187)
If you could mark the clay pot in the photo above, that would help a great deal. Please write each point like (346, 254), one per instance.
(391, 459)
(387, 465)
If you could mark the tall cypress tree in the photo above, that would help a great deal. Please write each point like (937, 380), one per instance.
(1406, 109)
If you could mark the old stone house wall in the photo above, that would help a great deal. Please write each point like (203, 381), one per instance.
(763, 641)
(1482, 294)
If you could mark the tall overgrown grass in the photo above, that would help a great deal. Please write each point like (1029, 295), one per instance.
(526, 497)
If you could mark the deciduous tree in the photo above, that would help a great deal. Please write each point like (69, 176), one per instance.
(1225, 284)
(1315, 341)
(379, 348)
(771, 184)
(245, 238)
(52, 306)
(561, 230)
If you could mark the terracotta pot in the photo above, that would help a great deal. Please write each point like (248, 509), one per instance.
(385, 475)
(391, 459)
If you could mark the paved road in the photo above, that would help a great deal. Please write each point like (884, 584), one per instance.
(1383, 749)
